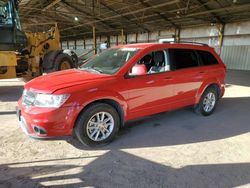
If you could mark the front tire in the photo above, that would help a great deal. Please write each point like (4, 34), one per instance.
(97, 125)
(207, 103)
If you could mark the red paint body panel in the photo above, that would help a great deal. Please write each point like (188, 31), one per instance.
(137, 96)
(55, 121)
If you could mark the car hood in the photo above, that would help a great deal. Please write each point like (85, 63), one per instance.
(54, 81)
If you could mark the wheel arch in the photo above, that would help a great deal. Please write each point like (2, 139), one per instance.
(112, 102)
(203, 88)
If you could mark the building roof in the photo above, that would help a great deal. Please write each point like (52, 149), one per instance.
(76, 17)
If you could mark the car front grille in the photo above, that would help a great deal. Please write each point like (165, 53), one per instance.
(28, 98)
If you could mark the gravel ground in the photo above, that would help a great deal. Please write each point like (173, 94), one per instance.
(174, 149)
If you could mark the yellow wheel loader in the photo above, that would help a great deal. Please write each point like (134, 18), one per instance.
(28, 54)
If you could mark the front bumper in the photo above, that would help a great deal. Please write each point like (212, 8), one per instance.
(46, 122)
(24, 126)
(22, 121)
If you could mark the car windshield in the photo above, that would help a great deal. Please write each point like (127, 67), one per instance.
(109, 61)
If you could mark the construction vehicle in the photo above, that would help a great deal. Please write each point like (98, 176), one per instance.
(29, 54)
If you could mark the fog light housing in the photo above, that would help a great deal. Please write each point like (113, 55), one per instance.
(39, 130)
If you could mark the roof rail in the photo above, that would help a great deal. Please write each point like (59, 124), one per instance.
(182, 42)
(189, 42)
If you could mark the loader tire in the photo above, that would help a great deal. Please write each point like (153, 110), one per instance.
(62, 62)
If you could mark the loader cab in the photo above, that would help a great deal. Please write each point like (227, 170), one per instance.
(12, 38)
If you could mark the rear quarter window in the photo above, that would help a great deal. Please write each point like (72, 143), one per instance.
(207, 58)
(183, 58)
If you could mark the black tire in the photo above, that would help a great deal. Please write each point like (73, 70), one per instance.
(72, 54)
(80, 129)
(74, 58)
(200, 108)
(63, 58)
(56, 64)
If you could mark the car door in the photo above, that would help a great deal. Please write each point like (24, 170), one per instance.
(150, 93)
(209, 65)
(188, 76)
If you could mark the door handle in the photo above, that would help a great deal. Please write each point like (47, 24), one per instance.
(199, 74)
(150, 82)
(168, 78)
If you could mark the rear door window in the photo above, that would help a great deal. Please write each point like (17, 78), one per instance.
(207, 58)
(183, 58)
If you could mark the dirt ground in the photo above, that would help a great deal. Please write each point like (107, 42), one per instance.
(174, 149)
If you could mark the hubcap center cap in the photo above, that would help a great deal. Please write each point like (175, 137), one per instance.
(101, 125)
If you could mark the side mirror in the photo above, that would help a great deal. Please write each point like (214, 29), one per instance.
(138, 69)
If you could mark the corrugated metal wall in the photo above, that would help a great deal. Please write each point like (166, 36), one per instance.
(235, 51)
(236, 57)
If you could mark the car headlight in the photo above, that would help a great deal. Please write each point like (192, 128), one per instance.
(50, 100)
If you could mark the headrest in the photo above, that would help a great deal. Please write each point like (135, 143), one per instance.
(159, 57)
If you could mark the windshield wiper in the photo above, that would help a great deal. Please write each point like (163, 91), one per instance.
(91, 69)
(99, 70)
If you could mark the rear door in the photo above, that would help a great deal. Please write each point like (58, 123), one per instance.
(188, 76)
(210, 65)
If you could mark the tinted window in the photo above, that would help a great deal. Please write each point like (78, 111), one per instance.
(183, 58)
(207, 58)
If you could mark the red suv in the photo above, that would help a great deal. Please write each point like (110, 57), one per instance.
(120, 84)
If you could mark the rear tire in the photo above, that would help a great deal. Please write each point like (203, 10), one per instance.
(97, 125)
(73, 56)
(62, 62)
(207, 103)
